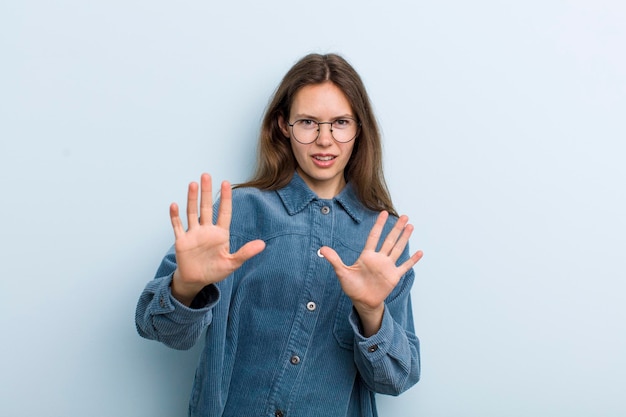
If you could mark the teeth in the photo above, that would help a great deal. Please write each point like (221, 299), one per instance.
(324, 158)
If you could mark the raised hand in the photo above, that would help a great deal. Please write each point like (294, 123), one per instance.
(375, 274)
(203, 250)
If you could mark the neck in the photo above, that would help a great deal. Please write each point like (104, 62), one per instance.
(324, 189)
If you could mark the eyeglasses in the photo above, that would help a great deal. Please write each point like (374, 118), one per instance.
(307, 131)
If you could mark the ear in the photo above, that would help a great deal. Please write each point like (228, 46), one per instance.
(283, 126)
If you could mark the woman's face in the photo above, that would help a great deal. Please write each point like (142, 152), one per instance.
(321, 163)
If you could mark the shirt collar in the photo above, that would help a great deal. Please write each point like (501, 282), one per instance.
(297, 195)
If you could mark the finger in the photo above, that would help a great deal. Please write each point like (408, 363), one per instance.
(394, 234)
(410, 263)
(192, 205)
(177, 224)
(400, 244)
(226, 205)
(377, 229)
(332, 257)
(247, 251)
(206, 199)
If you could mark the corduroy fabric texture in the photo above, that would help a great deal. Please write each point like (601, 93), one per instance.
(281, 336)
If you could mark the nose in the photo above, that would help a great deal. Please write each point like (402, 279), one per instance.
(325, 136)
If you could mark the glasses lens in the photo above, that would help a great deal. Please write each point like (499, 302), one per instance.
(344, 130)
(305, 130)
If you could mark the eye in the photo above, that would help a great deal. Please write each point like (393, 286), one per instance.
(343, 123)
(306, 124)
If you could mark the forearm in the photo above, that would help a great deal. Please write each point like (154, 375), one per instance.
(389, 360)
(161, 317)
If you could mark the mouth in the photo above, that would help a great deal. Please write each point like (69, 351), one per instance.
(324, 158)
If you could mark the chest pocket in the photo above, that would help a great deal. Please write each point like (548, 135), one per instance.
(342, 330)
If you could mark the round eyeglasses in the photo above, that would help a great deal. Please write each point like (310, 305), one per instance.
(307, 131)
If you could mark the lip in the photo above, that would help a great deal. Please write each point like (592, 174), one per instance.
(323, 163)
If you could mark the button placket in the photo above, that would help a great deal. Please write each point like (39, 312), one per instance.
(320, 218)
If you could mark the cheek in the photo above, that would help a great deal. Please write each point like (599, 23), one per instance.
(348, 154)
(297, 149)
(348, 149)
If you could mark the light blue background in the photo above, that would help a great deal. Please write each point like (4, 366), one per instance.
(504, 128)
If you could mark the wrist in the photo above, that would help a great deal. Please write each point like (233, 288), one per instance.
(183, 292)
(371, 318)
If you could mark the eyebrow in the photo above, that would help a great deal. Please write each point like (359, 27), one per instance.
(308, 116)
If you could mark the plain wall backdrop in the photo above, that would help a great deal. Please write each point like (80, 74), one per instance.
(504, 134)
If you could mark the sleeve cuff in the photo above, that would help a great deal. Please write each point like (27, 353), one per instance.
(208, 296)
(165, 303)
(377, 345)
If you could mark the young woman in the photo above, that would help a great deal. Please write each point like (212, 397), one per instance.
(301, 277)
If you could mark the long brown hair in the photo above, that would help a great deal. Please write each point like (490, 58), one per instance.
(275, 160)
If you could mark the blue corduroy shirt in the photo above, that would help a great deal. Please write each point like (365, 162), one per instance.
(282, 339)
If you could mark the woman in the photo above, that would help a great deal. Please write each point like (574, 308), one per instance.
(301, 277)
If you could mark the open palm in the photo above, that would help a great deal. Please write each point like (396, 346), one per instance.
(374, 275)
(203, 250)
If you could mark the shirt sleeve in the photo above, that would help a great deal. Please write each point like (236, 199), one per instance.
(389, 361)
(159, 316)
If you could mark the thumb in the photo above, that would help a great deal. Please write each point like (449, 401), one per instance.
(332, 257)
(248, 250)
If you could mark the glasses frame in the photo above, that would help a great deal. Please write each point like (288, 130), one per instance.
(358, 129)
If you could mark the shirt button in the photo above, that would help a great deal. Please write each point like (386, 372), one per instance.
(372, 348)
(279, 413)
(325, 210)
(295, 359)
(162, 302)
(320, 253)
(311, 306)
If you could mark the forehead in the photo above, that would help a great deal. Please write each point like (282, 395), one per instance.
(321, 100)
